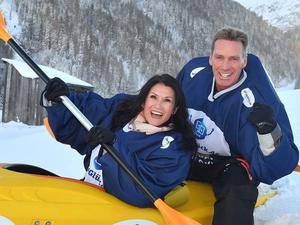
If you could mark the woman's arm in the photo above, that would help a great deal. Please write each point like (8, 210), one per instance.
(160, 169)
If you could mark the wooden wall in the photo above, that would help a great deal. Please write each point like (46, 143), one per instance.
(22, 98)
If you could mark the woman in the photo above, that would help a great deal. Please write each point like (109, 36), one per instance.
(150, 131)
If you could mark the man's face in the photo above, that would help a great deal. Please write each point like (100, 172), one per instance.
(227, 61)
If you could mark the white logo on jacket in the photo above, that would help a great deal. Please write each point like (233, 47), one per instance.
(166, 142)
(94, 174)
(248, 97)
(195, 71)
(209, 136)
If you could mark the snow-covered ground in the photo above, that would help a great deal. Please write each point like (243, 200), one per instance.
(284, 209)
(20, 143)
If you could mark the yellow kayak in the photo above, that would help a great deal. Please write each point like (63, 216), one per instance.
(31, 199)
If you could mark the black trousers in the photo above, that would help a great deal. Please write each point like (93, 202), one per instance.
(235, 193)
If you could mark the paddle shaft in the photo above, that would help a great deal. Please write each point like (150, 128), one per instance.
(28, 60)
(82, 119)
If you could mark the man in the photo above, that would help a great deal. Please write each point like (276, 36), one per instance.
(243, 133)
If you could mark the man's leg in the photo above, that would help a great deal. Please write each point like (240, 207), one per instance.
(235, 197)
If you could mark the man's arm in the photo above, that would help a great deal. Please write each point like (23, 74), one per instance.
(268, 143)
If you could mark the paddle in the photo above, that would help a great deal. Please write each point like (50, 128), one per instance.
(297, 169)
(170, 215)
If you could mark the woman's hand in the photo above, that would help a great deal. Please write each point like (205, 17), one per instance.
(98, 135)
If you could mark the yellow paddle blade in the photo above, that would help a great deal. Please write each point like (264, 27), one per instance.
(171, 216)
(262, 199)
(4, 35)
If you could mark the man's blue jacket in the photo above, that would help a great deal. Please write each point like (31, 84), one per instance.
(221, 120)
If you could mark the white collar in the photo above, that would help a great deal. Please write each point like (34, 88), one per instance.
(212, 96)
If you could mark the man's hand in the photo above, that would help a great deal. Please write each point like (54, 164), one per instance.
(262, 118)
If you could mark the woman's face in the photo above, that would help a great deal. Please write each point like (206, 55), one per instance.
(159, 104)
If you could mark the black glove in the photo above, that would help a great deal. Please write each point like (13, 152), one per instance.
(54, 89)
(208, 167)
(98, 135)
(262, 118)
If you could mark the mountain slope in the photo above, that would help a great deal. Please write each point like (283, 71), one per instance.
(117, 45)
(280, 13)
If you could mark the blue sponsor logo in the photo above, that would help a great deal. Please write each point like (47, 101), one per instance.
(97, 165)
(200, 129)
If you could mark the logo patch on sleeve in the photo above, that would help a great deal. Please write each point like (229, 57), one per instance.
(195, 71)
(248, 97)
(166, 142)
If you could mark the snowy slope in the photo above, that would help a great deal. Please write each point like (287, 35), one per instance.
(280, 13)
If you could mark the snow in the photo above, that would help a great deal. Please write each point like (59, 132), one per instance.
(284, 84)
(5, 221)
(21, 143)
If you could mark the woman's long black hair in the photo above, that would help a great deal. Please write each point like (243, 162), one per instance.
(131, 107)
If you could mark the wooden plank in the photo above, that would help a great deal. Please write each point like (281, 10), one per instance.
(6, 93)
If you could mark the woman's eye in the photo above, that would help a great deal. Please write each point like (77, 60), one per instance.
(168, 100)
(153, 96)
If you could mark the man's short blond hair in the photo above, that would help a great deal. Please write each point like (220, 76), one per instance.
(231, 34)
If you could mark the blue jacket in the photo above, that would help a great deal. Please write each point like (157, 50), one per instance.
(220, 120)
(160, 165)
